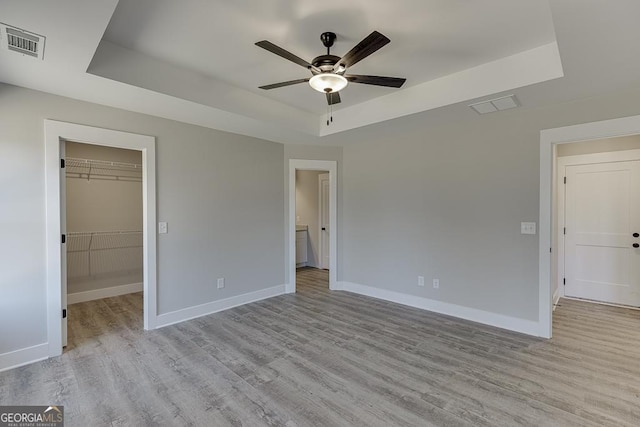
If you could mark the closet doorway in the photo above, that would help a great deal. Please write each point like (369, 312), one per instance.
(103, 213)
(57, 134)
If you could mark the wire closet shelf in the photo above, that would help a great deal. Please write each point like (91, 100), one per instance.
(100, 169)
(100, 252)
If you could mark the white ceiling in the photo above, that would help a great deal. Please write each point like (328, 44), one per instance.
(195, 60)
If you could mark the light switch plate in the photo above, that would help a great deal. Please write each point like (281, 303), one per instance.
(163, 228)
(527, 228)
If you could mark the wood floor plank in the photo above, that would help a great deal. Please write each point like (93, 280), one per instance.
(325, 358)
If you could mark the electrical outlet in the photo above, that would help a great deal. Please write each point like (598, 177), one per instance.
(527, 228)
(221, 283)
(420, 280)
(436, 283)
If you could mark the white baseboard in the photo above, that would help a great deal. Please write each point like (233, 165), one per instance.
(178, 316)
(113, 291)
(556, 298)
(24, 356)
(524, 326)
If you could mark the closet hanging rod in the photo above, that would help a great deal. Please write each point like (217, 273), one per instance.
(101, 164)
(102, 169)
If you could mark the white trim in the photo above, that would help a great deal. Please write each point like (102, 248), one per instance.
(330, 166)
(590, 301)
(548, 139)
(529, 327)
(112, 291)
(54, 133)
(556, 298)
(24, 356)
(216, 306)
(321, 239)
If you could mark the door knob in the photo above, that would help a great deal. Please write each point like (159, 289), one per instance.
(324, 229)
(636, 245)
(636, 235)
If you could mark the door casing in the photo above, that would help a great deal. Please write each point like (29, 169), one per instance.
(290, 239)
(549, 139)
(321, 233)
(55, 134)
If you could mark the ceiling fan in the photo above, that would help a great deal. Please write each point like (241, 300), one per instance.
(328, 71)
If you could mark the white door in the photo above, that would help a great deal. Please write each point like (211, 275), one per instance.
(602, 218)
(324, 220)
(63, 250)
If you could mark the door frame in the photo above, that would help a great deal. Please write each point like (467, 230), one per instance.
(55, 134)
(330, 166)
(321, 239)
(578, 160)
(549, 140)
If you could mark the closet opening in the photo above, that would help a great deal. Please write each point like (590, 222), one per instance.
(103, 214)
(120, 243)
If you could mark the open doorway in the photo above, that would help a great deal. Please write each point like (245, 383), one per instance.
(313, 227)
(56, 135)
(104, 245)
(312, 222)
(598, 217)
(550, 268)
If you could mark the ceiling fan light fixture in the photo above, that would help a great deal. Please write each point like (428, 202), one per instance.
(328, 82)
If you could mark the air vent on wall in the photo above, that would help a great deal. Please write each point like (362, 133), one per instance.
(21, 41)
(497, 104)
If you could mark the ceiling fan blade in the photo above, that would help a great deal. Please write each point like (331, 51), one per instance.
(366, 47)
(333, 98)
(376, 80)
(267, 45)
(283, 84)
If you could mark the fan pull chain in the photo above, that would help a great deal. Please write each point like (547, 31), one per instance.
(328, 114)
(330, 109)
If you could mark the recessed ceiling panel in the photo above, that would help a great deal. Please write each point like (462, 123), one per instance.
(429, 39)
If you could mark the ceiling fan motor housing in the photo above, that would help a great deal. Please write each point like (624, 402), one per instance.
(324, 63)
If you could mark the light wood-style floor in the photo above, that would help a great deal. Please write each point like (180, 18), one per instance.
(336, 359)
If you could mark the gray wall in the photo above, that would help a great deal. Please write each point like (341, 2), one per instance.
(221, 194)
(419, 195)
(445, 200)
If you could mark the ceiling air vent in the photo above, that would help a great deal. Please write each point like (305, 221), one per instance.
(21, 41)
(497, 104)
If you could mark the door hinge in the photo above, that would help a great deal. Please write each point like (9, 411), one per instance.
(565, 230)
(565, 179)
(64, 313)
(64, 238)
(61, 163)
(564, 280)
